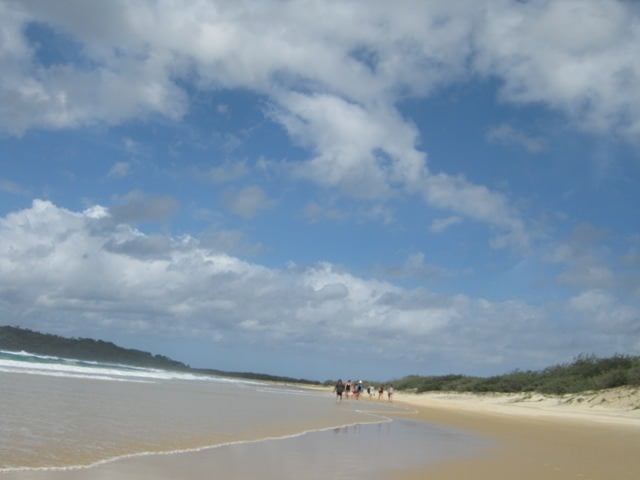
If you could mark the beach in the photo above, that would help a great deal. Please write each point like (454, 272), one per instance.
(64, 419)
(579, 436)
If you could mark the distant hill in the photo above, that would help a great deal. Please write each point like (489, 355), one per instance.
(17, 339)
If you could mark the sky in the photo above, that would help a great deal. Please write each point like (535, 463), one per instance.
(324, 189)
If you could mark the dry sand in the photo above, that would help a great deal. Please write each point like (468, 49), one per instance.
(581, 436)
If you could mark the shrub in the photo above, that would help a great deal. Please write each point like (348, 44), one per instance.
(586, 372)
(611, 379)
(633, 375)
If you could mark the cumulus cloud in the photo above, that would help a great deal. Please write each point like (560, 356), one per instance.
(59, 267)
(578, 57)
(374, 155)
(363, 153)
(334, 89)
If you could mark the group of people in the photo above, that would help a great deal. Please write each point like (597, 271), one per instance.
(356, 389)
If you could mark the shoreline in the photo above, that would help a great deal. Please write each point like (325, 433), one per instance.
(183, 451)
(264, 456)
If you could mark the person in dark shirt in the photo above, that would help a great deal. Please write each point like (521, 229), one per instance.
(339, 388)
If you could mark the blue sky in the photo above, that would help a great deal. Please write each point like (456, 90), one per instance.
(324, 189)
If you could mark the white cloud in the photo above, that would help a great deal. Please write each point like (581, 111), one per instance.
(373, 155)
(227, 171)
(137, 207)
(80, 269)
(335, 211)
(584, 258)
(439, 225)
(590, 300)
(120, 169)
(478, 203)
(230, 242)
(132, 147)
(12, 187)
(334, 88)
(362, 152)
(247, 201)
(576, 56)
(507, 135)
(416, 266)
(64, 97)
(315, 212)
(606, 312)
(589, 274)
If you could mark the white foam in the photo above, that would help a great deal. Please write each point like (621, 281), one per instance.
(288, 391)
(69, 375)
(22, 353)
(67, 360)
(102, 371)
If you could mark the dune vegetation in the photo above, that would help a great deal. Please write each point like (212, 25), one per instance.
(584, 373)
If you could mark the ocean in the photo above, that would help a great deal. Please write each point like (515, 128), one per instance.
(72, 419)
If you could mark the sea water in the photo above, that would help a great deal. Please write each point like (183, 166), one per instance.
(68, 419)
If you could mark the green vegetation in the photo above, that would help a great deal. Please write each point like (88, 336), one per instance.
(254, 376)
(19, 339)
(586, 372)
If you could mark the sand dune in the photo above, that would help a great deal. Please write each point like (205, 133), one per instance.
(615, 406)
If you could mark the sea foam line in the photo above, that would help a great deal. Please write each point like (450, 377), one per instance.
(382, 419)
(75, 361)
(60, 374)
(104, 371)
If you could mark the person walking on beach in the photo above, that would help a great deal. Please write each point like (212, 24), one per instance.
(347, 389)
(380, 392)
(390, 392)
(339, 388)
(358, 390)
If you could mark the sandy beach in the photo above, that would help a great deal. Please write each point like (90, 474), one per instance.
(88, 422)
(579, 436)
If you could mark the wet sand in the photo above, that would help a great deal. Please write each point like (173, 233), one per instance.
(533, 441)
(362, 451)
(78, 429)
